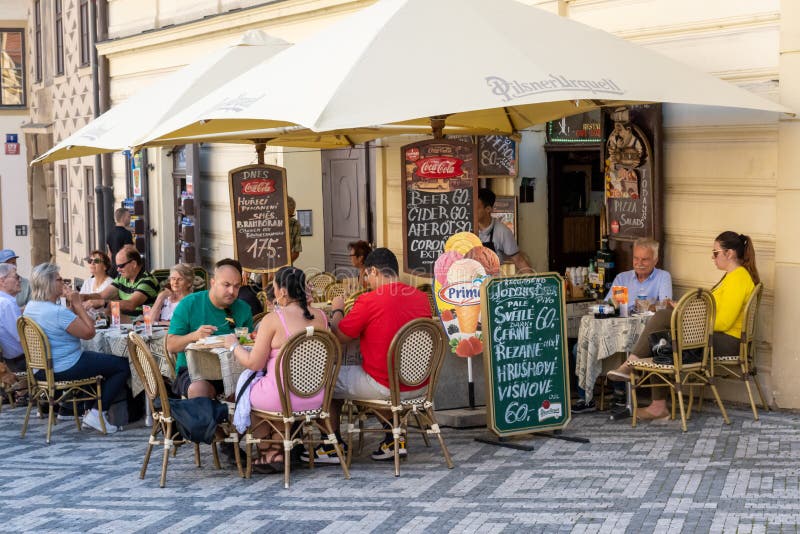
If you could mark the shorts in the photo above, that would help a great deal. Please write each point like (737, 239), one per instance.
(354, 383)
(180, 386)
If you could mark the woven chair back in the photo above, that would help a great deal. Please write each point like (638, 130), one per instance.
(747, 344)
(693, 323)
(309, 362)
(415, 355)
(36, 348)
(428, 290)
(148, 371)
(257, 319)
(336, 289)
(351, 300)
(262, 298)
(317, 283)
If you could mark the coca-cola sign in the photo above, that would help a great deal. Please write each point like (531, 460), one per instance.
(437, 167)
(258, 187)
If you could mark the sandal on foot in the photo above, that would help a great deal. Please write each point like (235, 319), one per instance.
(618, 376)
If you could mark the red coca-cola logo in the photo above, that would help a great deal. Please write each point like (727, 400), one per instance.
(412, 154)
(258, 187)
(437, 167)
(614, 227)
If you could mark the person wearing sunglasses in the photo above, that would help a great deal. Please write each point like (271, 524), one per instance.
(734, 254)
(99, 264)
(216, 311)
(134, 287)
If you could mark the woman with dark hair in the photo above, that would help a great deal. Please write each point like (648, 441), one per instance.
(359, 250)
(292, 314)
(99, 265)
(734, 254)
(65, 327)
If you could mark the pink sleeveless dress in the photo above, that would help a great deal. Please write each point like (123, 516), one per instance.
(264, 394)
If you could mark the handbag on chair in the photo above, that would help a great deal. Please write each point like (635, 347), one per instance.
(661, 349)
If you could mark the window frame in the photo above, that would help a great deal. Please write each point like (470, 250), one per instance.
(64, 214)
(24, 93)
(90, 207)
(85, 34)
(37, 37)
(58, 11)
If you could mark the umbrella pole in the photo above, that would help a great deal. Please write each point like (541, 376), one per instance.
(437, 126)
(261, 146)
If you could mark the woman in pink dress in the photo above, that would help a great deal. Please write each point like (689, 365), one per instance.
(292, 314)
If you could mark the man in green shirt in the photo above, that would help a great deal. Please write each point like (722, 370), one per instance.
(134, 287)
(217, 311)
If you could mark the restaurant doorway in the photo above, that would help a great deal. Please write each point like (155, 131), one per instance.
(575, 185)
(348, 185)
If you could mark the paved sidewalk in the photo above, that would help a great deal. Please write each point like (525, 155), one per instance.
(715, 478)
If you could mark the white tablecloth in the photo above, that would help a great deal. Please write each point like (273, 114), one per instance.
(214, 364)
(115, 341)
(600, 338)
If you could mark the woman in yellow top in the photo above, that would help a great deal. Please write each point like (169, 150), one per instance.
(734, 254)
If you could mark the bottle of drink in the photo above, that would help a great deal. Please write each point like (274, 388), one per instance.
(605, 266)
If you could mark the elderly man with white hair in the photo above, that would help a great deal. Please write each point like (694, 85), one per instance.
(9, 313)
(645, 278)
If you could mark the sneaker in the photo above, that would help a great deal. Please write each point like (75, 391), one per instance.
(324, 454)
(386, 450)
(582, 406)
(92, 420)
(620, 401)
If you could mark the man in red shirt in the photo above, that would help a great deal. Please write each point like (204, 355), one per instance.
(374, 320)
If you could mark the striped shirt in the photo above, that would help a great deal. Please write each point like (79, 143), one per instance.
(144, 283)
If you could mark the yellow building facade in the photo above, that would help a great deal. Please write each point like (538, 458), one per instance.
(723, 169)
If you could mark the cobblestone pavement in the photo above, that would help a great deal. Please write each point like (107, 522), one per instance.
(715, 478)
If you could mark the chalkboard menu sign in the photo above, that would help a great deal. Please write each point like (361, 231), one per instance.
(525, 353)
(497, 156)
(260, 218)
(439, 196)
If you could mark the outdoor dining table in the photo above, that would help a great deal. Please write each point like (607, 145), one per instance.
(213, 362)
(599, 339)
(115, 341)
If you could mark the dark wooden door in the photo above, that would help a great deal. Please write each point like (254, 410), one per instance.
(345, 191)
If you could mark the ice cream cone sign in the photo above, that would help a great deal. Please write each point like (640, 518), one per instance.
(458, 275)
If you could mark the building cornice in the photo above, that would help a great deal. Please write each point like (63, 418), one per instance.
(233, 22)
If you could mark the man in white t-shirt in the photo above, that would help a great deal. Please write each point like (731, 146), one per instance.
(496, 235)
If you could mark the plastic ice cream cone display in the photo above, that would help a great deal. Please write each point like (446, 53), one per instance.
(462, 242)
(486, 257)
(468, 318)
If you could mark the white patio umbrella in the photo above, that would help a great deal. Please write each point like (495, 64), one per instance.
(488, 66)
(125, 125)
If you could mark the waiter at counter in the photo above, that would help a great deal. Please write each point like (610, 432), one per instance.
(496, 236)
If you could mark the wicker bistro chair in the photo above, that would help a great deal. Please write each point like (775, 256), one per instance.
(264, 300)
(351, 300)
(336, 289)
(38, 357)
(257, 318)
(742, 366)
(317, 283)
(416, 354)
(163, 423)
(309, 362)
(428, 290)
(692, 326)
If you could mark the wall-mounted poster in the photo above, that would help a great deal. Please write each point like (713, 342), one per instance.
(505, 211)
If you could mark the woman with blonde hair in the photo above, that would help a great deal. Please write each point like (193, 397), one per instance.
(181, 281)
(734, 254)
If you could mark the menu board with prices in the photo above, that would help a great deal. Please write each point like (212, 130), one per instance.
(260, 217)
(439, 197)
(497, 156)
(525, 353)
